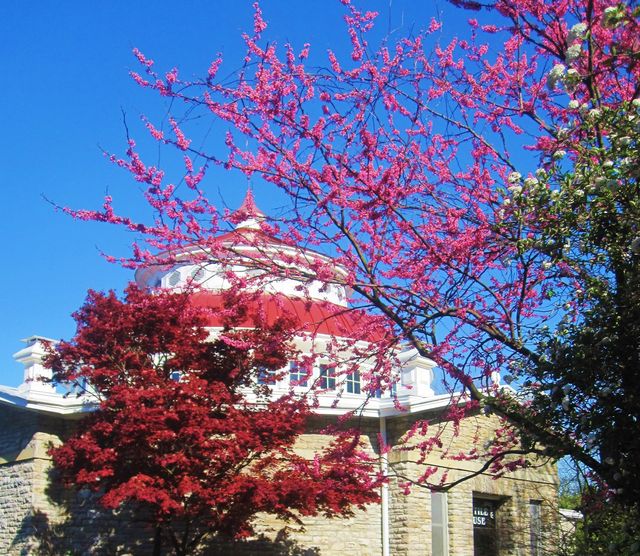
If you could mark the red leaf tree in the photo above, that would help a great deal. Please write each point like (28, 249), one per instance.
(183, 435)
(481, 192)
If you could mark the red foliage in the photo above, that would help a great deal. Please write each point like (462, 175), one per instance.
(182, 431)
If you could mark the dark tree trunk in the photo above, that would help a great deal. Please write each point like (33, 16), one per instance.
(157, 542)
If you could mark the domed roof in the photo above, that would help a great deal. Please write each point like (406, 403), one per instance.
(291, 280)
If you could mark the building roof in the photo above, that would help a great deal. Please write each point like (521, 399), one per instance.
(315, 317)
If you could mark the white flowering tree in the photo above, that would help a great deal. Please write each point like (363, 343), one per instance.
(581, 210)
(587, 211)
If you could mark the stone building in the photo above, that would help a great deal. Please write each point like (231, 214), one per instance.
(511, 516)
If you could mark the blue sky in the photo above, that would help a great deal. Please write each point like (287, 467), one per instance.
(64, 83)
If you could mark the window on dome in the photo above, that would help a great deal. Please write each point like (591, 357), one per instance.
(353, 382)
(174, 279)
(327, 377)
(197, 274)
(297, 375)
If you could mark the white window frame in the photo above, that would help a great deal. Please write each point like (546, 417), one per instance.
(298, 377)
(352, 383)
(327, 375)
(439, 524)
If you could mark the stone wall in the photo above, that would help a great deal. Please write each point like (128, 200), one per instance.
(39, 517)
(360, 535)
(24, 437)
(513, 493)
(33, 513)
(16, 499)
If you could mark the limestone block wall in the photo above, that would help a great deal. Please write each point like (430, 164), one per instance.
(512, 494)
(360, 535)
(15, 503)
(409, 517)
(39, 517)
(23, 443)
(35, 515)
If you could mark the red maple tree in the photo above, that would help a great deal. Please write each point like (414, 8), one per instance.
(183, 435)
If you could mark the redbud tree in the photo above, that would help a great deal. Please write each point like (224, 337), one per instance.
(481, 192)
(183, 434)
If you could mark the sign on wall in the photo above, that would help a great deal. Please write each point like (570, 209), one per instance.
(484, 513)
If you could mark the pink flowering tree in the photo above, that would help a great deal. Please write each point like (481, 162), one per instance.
(480, 191)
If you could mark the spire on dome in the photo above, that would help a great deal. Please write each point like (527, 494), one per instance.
(248, 215)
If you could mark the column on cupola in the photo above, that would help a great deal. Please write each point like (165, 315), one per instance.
(36, 376)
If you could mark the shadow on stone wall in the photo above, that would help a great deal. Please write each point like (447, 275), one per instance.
(40, 537)
(82, 527)
(95, 532)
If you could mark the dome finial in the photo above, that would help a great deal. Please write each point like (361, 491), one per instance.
(248, 215)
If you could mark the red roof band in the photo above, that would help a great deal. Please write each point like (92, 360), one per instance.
(315, 317)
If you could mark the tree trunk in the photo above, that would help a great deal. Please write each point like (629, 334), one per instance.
(157, 542)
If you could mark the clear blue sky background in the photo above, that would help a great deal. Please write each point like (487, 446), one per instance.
(64, 81)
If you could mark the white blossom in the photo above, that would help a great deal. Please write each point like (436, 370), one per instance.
(514, 177)
(611, 16)
(576, 32)
(573, 53)
(571, 79)
(556, 75)
(559, 154)
(573, 104)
